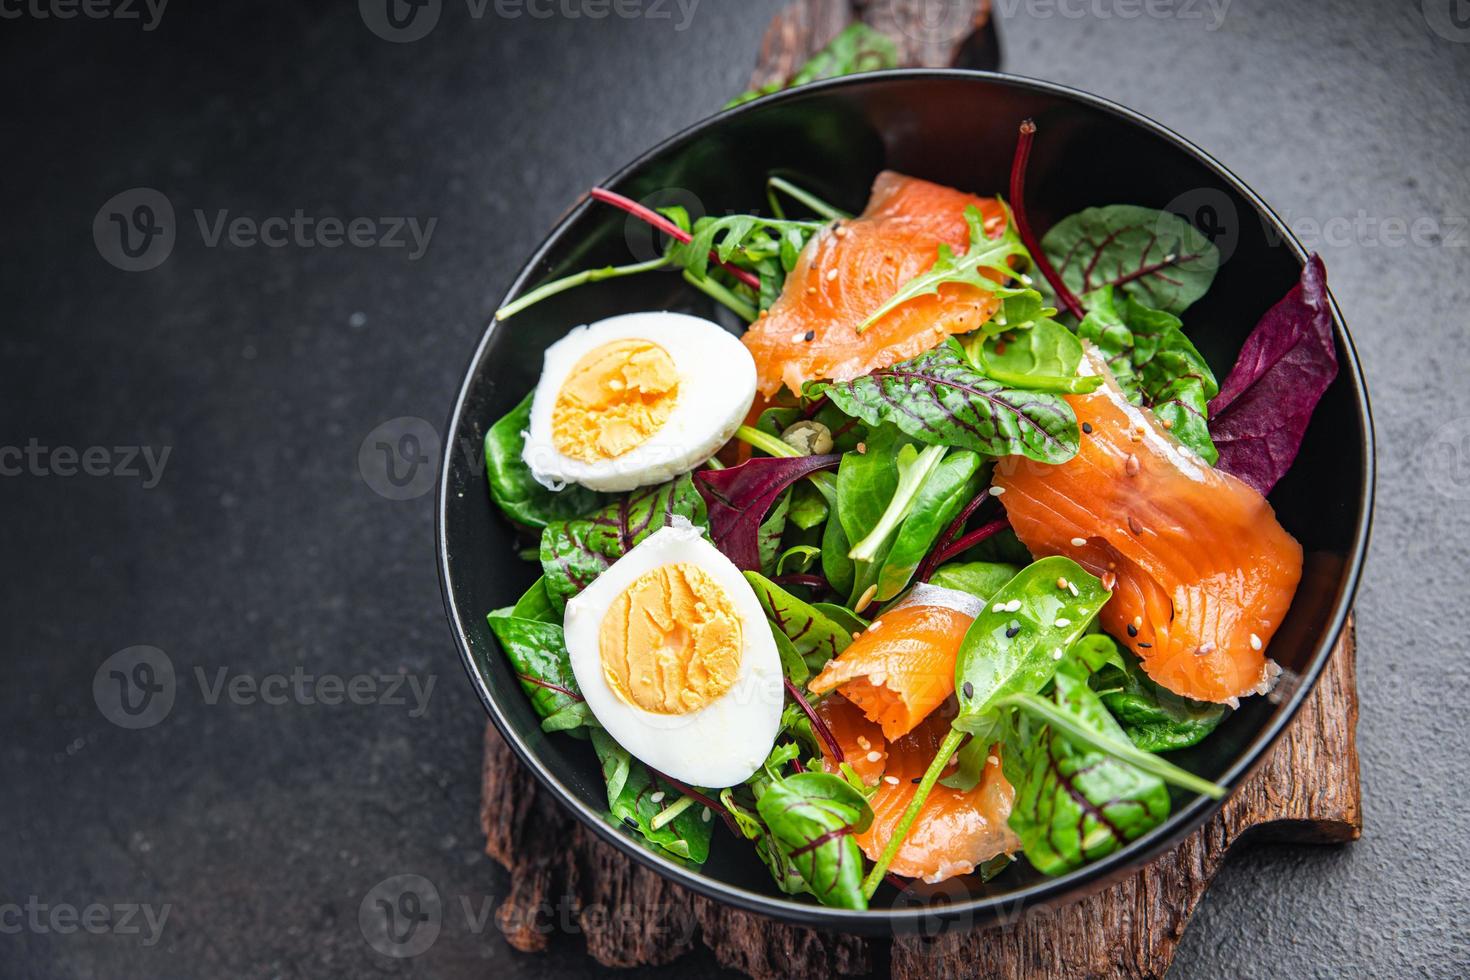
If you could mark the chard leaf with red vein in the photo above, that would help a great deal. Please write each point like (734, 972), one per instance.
(815, 636)
(538, 654)
(1289, 360)
(575, 552)
(1156, 257)
(940, 399)
(739, 498)
(813, 816)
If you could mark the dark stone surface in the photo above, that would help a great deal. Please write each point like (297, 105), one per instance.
(262, 548)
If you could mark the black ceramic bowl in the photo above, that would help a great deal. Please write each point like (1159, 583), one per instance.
(957, 128)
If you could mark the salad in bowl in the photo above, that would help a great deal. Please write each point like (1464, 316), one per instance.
(927, 568)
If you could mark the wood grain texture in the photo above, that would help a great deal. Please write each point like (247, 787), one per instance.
(565, 880)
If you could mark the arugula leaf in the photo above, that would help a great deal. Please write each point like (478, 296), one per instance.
(512, 486)
(940, 398)
(739, 498)
(745, 239)
(952, 484)
(1286, 366)
(812, 816)
(814, 635)
(1155, 719)
(537, 651)
(1155, 256)
(1018, 639)
(1155, 365)
(575, 552)
(631, 789)
(983, 254)
(1074, 803)
(981, 579)
(859, 48)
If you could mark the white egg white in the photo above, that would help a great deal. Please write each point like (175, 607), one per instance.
(716, 389)
(724, 742)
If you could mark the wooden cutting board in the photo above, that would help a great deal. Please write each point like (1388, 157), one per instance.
(1305, 790)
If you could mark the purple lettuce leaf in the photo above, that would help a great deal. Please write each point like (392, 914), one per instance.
(1261, 413)
(739, 498)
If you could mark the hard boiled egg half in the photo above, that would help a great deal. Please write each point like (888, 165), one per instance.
(673, 653)
(636, 399)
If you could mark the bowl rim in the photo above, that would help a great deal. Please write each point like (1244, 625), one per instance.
(1074, 884)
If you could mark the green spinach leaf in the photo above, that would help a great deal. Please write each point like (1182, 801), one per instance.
(955, 481)
(575, 552)
(1155, 719)
(1156, 366)
(512, 486)
(1042, 357)
(812, 816)
(981, 579)
(940, 398)
(1155, 256)
(1018, 639)
(635, 797)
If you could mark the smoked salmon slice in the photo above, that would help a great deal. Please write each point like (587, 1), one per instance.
(1201, 571)
(849, 270)
(902, 666)
(956, 830)
(862, 742)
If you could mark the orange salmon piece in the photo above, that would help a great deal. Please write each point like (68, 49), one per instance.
(902, 666)
(849, 270)
(862, 743)
(1204, 572)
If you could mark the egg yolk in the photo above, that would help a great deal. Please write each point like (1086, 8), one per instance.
(671, 642)
(614, 399)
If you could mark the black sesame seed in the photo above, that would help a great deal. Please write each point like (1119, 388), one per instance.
(810, 335)
(917, 780)
(1146, 646)
(1132, 630)
(1012, 631)
(969, 689)
(1087, 427)
(633, 824)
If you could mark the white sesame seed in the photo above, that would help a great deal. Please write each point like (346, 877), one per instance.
(998, 607)
(875, 756)
(1079, 542)
(1062, 622)
(1057, 654)
(997, 491)
(1255, 642)
(831, 274)
(874, 628)
(991, 760)
(954, 760)
(657, 797)
(891, 780)
(1072, 589)
(706, 815)
(863, 742)
(1013, 606)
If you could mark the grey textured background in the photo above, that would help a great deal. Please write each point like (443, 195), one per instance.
(262, 548)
